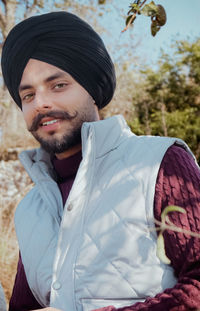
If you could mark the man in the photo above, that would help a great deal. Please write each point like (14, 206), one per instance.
(84, 230)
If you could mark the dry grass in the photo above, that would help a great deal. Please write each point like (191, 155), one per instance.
(8, 243)
(13, 128)
(8, 250)
(14, 182)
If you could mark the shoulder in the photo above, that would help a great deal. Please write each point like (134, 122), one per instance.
(178, 161)
(145, 149)
(151, 143)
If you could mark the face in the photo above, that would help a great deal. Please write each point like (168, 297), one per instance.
(54, 106)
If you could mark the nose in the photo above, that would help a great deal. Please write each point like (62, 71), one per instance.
(42, 102)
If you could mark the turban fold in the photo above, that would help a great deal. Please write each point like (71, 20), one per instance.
(64, 40)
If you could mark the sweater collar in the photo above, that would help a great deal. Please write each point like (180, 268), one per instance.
(67, 167)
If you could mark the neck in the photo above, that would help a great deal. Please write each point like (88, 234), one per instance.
(68, 153)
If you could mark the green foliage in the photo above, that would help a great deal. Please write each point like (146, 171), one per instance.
(155, 12)
(184, 124)
(167, 102)
(190, 57)
(150, 9)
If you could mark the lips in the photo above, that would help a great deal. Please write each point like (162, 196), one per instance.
(49, 121)
(50, 125)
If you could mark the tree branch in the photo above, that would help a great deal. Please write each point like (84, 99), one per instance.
(170, 226)
(2, 19)
(4, 2)
(30, 8)
(133, 17)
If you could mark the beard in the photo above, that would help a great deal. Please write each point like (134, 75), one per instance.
(69, 139)
(55, 145)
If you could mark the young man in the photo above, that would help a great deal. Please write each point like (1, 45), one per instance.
(84, 230)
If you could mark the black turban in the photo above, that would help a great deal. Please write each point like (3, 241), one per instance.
(64, 40)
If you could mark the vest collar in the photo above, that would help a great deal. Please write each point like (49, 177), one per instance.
(105, 136)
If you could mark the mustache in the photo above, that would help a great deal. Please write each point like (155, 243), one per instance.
(64, 115)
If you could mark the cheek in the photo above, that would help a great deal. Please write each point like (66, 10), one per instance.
(27, 114)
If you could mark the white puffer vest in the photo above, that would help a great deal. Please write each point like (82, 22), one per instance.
(99, 250)
(2, 299)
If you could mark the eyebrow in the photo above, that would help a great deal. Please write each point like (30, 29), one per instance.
(49, 79)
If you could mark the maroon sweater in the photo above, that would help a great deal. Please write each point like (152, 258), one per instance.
(178, 183)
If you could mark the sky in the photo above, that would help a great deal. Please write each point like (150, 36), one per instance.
(183, 22)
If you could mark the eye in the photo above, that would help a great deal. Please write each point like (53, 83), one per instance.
(60, 85)
(27, 97)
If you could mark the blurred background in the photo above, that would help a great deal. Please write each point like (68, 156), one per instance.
(158, 89)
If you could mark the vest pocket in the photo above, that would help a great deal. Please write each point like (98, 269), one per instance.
(92, 304)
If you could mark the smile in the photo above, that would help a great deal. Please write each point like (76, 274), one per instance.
(49, 122)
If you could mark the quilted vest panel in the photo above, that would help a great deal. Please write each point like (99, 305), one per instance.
(106, 252)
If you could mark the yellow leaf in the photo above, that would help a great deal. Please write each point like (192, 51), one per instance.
(169, 209)
(160, 252)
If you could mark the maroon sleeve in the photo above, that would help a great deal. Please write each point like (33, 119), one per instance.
(22, 298)
(178, 183)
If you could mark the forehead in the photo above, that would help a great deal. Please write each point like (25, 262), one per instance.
(37, 70)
